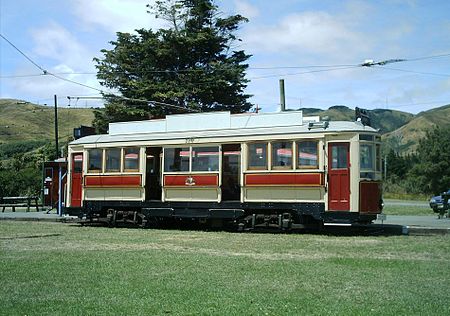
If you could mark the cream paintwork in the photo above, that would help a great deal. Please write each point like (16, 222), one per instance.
(284, 194)
(191, 194)
(206, 138)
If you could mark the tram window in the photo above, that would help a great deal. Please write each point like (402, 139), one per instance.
(308, 155)
(112, 160)
(366, 156)
(281, 155)
(205, 158)
(366, 137)
(77, 164)
(176, 159)
(378, 157)
(131, 159)
(95, 159)
(257, 156)
(339, 157)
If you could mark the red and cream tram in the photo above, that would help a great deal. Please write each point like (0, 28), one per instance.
(279, 170)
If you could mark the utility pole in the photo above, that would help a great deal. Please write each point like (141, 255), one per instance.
(56, 126)
(282, 96)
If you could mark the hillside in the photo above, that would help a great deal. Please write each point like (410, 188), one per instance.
(405, 139)
(26, 122)
(386, 120)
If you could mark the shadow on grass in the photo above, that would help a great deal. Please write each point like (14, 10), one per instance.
(356, 230)
(31, 236)
(365, 230)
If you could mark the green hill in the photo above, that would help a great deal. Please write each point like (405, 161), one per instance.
(30, 122)
(386, 120)
(405, 139)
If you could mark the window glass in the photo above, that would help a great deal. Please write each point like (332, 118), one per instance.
(131, 159)
(339, 156)
(366, 137)
(95, 160)
(78, 163)
(366, 156)
(282, 155)
(378, 157)
(257, 156)
(112, 160)
(308, 156)
(205, 158)
(176, 159)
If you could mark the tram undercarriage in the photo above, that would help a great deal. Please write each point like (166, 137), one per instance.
(229, 216)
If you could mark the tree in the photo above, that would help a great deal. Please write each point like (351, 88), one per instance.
(190, 65)
(432, 172)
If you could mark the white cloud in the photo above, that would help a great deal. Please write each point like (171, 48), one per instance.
(60, 52)
(56, 43)
(115, 15)
(307, 32)
(246, 9)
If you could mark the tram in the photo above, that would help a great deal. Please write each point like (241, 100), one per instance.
(272, 170)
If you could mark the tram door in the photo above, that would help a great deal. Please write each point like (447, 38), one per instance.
(231, 171)
(339, 176)
(77, 180)
(153, 190)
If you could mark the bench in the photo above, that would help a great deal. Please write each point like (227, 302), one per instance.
(19, 201)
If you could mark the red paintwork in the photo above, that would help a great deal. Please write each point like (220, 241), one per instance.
(113, 181)
(288, 179)
(369, 197)
(338, 182)
(204, 180)
(77, 182)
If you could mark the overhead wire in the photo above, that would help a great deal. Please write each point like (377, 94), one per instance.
(412, 71)
(45, 72)
(378, 65)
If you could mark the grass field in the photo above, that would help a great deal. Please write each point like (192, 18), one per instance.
(412, 210)
(62, 269)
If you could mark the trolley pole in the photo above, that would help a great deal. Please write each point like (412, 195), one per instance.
(56, 127)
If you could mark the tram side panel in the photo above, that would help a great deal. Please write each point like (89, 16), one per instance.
(314, 176)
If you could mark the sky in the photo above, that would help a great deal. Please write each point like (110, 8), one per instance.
(317, 47)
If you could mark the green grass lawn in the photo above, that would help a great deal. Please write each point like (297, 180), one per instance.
(62, 269)
(412, 210)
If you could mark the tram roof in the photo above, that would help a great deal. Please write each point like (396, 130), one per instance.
(220, 124)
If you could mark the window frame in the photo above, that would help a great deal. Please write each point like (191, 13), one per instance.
(101, 170)
(191, 158)
(173, 148)
(129, 170)
(297, 158)
(267, 164)
(272, 151)
(372, 156)
(105, 153)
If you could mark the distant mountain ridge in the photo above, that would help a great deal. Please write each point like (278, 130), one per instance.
(401, 131)
(386, 120)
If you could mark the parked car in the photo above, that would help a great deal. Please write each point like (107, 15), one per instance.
(440, 203)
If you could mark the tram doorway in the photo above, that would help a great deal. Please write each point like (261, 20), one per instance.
(231, 172)
(339, 176)
(153, 189)
(76, 186)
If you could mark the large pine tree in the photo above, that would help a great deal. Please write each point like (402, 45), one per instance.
(191, 64)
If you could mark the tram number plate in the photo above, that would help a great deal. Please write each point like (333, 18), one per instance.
(381, 217)
(190, 140)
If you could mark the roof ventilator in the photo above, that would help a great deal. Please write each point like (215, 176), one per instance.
(323, 124)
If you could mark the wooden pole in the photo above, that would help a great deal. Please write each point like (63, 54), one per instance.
(56, 127)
